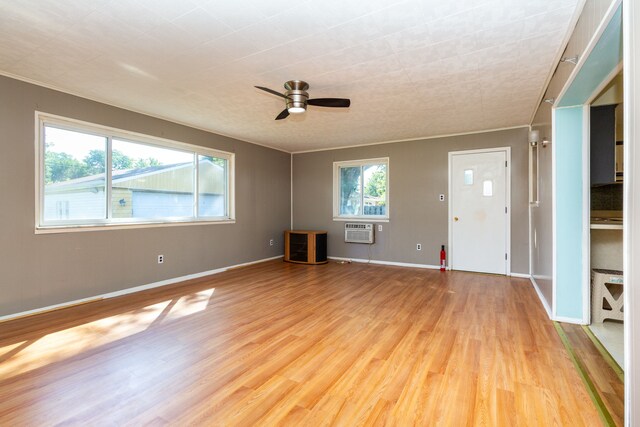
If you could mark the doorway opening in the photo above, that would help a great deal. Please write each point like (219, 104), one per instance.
(606, 144)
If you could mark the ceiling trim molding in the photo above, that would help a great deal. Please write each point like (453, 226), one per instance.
(155, 116)
(412, 139)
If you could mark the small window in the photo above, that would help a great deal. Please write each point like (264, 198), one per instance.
(91, 175)
(361, 189)
(468, 177)
(487, 188)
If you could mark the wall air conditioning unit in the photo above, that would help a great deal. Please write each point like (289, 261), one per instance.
(355, 232)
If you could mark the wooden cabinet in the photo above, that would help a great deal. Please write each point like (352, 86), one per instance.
(603, 144)
(305, 246)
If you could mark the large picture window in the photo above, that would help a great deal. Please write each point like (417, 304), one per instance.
(90, 175)
(361, 189)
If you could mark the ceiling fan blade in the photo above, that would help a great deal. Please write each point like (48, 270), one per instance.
(330, 102)
(283, 115)
(271, 91)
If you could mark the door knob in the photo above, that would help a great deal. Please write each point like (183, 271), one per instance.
(455, 218)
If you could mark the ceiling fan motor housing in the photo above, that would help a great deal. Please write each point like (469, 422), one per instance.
(296, 95)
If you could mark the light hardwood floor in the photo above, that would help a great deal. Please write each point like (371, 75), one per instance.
(285, 344)
(607, 384)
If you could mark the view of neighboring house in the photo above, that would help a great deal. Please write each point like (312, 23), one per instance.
(164, 191)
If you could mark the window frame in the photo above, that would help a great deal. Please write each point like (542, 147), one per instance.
(336, 190)
(110, 133)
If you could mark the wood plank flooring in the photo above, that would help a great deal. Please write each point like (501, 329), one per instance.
(608, 386)
(286, 344)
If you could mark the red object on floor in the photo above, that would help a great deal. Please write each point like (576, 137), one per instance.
(443, 259)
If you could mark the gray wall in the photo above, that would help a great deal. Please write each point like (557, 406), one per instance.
(418, 173)
(46, 269)
(542, 213)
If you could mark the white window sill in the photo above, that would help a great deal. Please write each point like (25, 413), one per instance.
(102, 227)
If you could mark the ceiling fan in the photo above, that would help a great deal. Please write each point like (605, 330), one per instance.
(297, 99)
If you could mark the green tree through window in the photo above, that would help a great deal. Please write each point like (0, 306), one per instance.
(60, 167)
(377, 184)
(63, 167)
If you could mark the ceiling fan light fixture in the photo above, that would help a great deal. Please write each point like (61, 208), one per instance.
(297, 99)
(296, 96)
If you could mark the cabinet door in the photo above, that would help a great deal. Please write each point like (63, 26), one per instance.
(603, 144)
(299, 247)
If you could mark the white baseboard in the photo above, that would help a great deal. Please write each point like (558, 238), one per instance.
(520, 275)
(408, 264)
(132, 290)
(49, 308)
(541, 297)
(573, 320)
(550, 312)
(393, 263)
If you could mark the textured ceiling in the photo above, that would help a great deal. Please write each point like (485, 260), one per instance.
(412, 68)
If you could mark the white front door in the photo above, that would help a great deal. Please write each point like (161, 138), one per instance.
(479, 217)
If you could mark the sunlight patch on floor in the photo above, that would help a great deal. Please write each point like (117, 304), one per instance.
(18, 358)
(8, 351)
(191, 304)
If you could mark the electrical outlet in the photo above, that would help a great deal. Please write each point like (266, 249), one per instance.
(418, 247)
(442, 197)
(270, 242)
(160, 259)
(379, 227)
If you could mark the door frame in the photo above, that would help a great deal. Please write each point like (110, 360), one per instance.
(451, 250)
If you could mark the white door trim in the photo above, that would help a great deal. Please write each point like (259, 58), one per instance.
(507, 151)
(631, 232)
(554, 210)
(586, 214)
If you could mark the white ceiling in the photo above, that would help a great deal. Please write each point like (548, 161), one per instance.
(412, 68)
